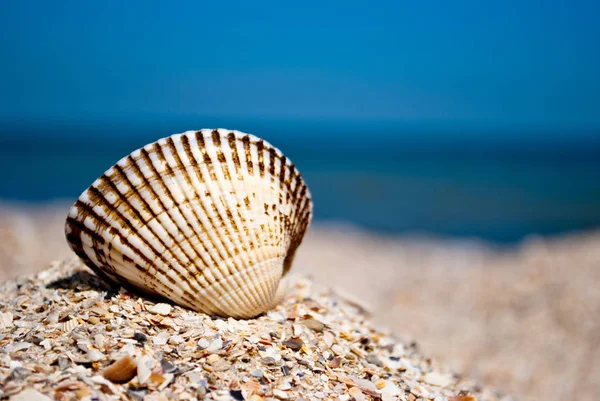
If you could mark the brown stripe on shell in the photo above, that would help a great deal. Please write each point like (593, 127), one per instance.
(205, 156)
(99, 254)
(260, 146)
(74, 237)
(282, 186)
(231, 138)
(282, 168)
(248, 152)
(216, 138)
(272, 158)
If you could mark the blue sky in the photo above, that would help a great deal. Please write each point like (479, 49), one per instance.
(509, 63)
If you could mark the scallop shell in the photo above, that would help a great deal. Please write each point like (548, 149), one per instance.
(209, 219)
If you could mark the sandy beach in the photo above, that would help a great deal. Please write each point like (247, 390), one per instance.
(523, 320)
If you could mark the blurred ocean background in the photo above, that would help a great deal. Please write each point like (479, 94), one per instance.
(473, 182)
(469, 120)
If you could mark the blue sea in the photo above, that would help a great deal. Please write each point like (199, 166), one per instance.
(499, 185)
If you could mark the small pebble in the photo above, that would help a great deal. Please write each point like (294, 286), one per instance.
(215, 345)
(374, 360)
(137, 395)
(335, 362)
(314, 325)
(167, 366)
(269, 361)
(293, 343)
(141, 337)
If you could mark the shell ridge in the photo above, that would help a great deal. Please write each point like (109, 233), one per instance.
(164, 216)
(197, 179)
(275, 200)
(207, 170)
(205, 176)
(236, 223)
(233, 142)
(254, 242)
(124, 242)
(177, 208)
(216, 282)
(284, 205)
(186, 200)
(302, 207)
(258, 160)
(248, 227)
(86, 240)
(250, 159)
(211, 147)
(98, 255)
(200, 178)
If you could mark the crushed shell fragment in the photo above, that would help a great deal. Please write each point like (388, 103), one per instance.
(121, 371)
(208, 219)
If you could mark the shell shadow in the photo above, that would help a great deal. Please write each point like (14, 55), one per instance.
(83, 280)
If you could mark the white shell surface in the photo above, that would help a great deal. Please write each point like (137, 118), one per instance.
(209, 219)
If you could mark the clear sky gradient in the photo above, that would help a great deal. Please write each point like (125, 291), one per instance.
(509, 63)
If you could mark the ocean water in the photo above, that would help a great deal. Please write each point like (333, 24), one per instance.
(478, 183)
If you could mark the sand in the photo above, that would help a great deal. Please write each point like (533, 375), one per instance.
(523, 320)
(69, 336)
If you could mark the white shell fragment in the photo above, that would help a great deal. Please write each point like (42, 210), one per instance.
(160, 309)
(208, 219)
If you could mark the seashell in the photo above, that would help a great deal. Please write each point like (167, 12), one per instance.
(208, 219)
(122, 370)
(69, 325)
